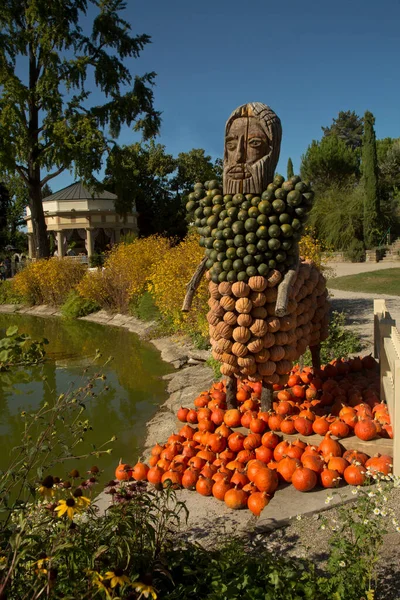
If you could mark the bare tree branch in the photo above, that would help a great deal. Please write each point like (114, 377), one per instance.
(52, 175)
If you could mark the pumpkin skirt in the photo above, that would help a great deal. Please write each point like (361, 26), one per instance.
(247, 336)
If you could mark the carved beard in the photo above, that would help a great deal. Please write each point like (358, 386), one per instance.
(255, 184)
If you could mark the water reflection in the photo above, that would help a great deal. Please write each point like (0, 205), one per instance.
(133, 377)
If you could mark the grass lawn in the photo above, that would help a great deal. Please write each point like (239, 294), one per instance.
(374, 282)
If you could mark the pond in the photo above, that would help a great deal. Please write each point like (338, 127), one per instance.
(133, 378)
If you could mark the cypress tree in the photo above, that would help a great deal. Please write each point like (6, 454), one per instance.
(290, 171)
(370, 182)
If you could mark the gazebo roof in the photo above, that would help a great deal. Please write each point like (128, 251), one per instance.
(77, 191)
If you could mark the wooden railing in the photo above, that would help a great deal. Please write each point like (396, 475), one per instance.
(387, 350)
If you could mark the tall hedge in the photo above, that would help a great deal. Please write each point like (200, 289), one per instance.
(290, 171)
(370, 182)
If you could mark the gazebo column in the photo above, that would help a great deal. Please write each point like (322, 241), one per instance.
(30, 245)
(90, 242)
(60, 244)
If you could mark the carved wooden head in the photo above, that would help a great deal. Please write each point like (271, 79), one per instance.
(253, 136)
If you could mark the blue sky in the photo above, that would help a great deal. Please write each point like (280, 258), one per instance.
(306, 59)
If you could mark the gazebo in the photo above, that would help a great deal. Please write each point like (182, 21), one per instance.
(85, 217)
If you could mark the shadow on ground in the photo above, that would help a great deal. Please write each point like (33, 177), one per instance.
(358, 311)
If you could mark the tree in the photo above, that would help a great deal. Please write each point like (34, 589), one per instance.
(13, 202)
(370, 182)
(139, 175)
(145, 176)
(389, 165)
(348, 127)
(337, 215)
(48, 121)
(4, 208)
(329, 163)
(194, 166)
(46, 191)
(290, 171)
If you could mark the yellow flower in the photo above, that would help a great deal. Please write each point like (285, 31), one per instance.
(41, 565)
(117, 577)
(100, 582)
(145, 590)
(46, 487)
(82, 501)
(68, 507)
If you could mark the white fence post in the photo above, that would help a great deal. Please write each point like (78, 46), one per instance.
(387, 350)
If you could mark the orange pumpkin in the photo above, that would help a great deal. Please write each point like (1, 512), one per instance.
(329, 478)
(287, 466)
(182, 414)
(329, 447)
(270, 440)
(365, 429)
(140, 471)
(266, 480)
(232, 418)
(172, 478)
(256, 502)
(189, 478)
(236, 499)
(304, 479)
(204, 486)
(355, 475)
(220, 488)
(123, 472)
(154, 475)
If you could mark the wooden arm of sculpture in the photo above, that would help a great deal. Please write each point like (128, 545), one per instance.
(284, 290)
(193, 285)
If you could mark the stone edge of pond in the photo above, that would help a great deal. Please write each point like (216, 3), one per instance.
(209, 519)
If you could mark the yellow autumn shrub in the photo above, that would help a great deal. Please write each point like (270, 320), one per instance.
(48, 281)
(125, 274)
(311, 248)
(167, 285)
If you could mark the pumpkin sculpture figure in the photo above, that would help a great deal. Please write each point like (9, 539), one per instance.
(266, 304)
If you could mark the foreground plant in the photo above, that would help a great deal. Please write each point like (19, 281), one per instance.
(357, 538)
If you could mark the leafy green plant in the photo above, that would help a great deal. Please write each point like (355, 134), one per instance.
(75, 306)
(8, 295)
(144, 308)
(356, 251)
(234, 571)
(96, 260)
(20, 349)
(341, 341)
(357, 538)
(216, 366)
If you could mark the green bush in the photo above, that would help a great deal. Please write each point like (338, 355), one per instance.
(8, 295)
(145, 309)
(75, 306)
(356, 251)
(96, 260)
(216, 366)
(341, 342)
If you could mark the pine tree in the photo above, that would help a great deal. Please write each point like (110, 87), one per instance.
(290, 171)
(370, 182)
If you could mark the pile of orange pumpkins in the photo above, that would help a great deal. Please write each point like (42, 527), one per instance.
(245, 468)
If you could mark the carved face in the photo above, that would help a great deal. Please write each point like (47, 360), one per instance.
(247, 147)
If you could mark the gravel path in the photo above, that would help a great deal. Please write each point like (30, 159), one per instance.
(359, 310)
